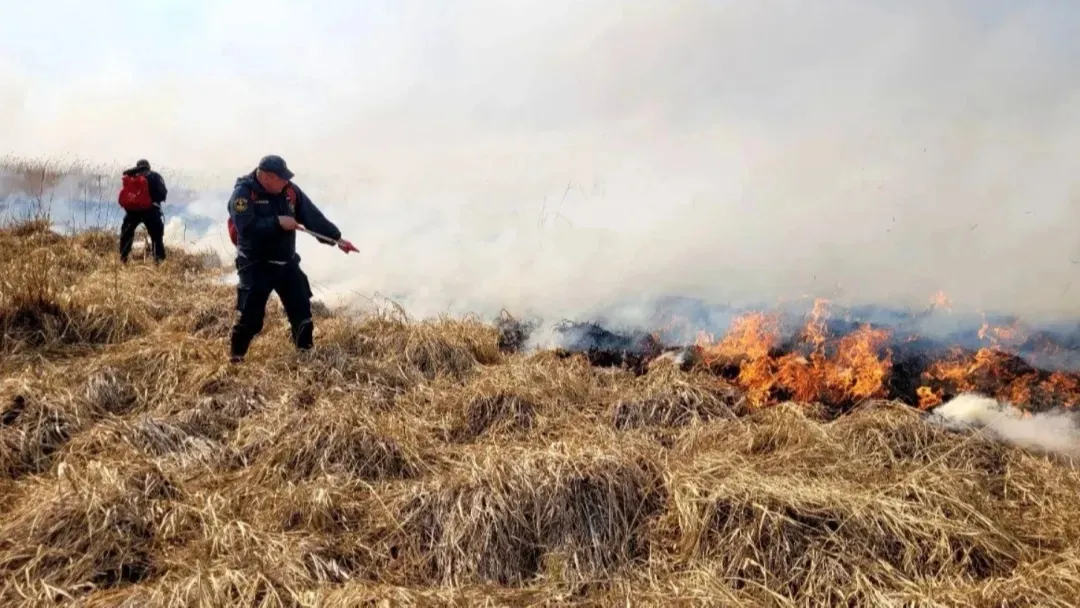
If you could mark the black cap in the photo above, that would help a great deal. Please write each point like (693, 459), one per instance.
(142, 166)
(275, 164)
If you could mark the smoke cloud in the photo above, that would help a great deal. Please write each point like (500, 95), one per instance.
(1056, 432)
(569, 158)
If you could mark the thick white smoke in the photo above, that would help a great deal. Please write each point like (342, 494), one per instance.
(1056, 432)
(561, 157)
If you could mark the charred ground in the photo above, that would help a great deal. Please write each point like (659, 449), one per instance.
(434, 463)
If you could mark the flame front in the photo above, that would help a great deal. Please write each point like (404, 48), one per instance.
(840, 371)
(998, 373)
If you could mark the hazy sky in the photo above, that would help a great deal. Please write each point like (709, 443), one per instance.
(561, 156)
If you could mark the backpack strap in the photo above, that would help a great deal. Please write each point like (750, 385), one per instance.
(290, 196)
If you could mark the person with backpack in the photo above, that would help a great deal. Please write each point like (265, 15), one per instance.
(141, 196)
(265, 210)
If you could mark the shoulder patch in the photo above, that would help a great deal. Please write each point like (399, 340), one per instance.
(240, 204)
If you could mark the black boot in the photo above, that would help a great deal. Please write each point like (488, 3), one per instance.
(303, 335)
(238, 346)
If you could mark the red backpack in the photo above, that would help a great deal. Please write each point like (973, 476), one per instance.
(135, 194)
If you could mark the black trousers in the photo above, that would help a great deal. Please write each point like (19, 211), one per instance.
(154, 220)
(257, 281)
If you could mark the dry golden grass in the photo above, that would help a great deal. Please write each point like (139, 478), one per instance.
(414, 463)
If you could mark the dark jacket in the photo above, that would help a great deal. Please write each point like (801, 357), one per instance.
(158, 191)
(254, 211)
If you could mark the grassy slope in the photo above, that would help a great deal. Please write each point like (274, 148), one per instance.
(415, 463)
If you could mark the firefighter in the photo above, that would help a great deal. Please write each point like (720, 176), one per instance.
(267, 208)
(150, 216)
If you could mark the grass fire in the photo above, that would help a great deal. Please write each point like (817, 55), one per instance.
(447, 462)
(563, 303)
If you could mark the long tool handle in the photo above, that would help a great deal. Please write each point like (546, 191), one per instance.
(317, 235)
(347, 248)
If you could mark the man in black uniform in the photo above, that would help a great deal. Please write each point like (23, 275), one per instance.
(153, 218)
(267, 209)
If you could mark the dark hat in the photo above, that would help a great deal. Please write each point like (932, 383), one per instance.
(275, 164)
(141, 166)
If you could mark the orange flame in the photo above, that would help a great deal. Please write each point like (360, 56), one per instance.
(940, 300)
(999, 374)
(854, 371)
(858, 366)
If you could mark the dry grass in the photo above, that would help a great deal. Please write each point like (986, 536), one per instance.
(419, 463)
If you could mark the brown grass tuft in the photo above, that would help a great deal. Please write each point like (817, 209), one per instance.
(214, 417)
(31, 432)
(443, 348)
(108, 391)
(500, 412)
(669, 399)
(212, 320)
(37, 311)
(296, 445)
(99, 243)
(511, 515)
(166, 444)
(90, 527)
(815, 535)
